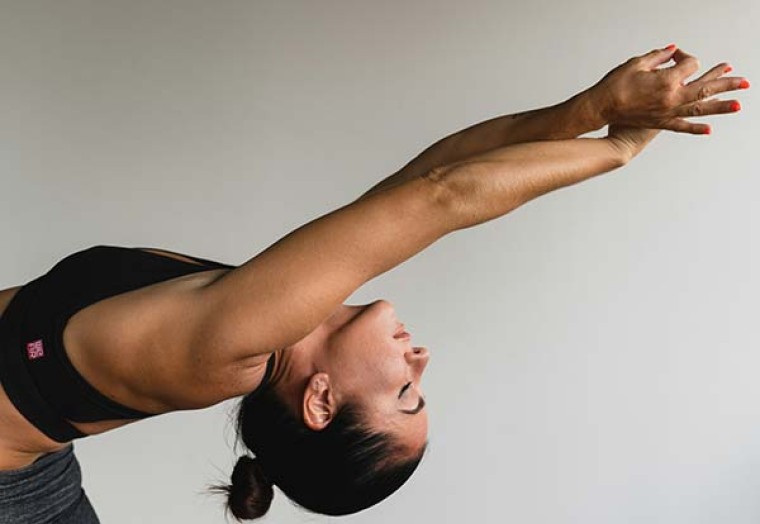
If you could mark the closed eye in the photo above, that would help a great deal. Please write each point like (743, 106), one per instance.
(415, 410)
(406, 386)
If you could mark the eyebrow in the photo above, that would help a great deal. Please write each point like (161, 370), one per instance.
(415, 410)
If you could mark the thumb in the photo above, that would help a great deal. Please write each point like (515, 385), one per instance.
(658, 57)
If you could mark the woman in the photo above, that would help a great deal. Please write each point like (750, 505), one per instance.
(332, 404)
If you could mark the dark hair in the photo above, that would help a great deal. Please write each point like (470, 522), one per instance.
(342, 469)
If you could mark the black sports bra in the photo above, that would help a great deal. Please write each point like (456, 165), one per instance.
(35, 370)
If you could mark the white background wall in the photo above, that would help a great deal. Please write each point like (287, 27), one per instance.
(594, 353)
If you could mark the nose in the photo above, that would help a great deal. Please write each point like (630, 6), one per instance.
(418, 357)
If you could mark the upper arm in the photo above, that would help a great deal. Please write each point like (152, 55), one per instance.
(283, 293)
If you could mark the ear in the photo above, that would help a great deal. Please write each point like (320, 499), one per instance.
(319, 406)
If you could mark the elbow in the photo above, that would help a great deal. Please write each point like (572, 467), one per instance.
(441, 189)
(461, 192)
(447, 197)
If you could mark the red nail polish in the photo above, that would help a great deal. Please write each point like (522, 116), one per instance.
(707, 130)
(735, 106)
(744, 84)
(670, 47)
(728, 69)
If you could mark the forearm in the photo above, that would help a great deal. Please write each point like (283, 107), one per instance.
(492, 184)
(578, 115)
(573, 117)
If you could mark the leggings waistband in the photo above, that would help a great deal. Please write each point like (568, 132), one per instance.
(44, 491)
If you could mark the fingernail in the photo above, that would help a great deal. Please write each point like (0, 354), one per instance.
(728, 69)
(707, 130)
(744, 84)
(735, 106)
(670, 47)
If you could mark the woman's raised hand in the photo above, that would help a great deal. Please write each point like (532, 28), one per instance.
(639, 94)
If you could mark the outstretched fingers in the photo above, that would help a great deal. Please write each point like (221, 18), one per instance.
(714, 73)
(694, 96)
(680, 125)
(708, 107)
(701, 90)
(700, 108)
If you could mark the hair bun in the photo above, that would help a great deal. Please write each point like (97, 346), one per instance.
(251, 493)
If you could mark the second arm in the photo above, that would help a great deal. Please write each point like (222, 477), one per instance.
(578, 115)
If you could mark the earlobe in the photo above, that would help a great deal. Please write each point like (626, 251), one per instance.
(318, 402)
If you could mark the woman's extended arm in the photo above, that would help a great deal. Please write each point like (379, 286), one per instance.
(283, 293)
(286, 291)
(634, 93)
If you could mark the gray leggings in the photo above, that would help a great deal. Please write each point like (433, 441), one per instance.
(48, 491)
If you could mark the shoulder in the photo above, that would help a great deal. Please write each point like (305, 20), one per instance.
(159, 354)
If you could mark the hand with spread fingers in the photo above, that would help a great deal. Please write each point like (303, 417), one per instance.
(638, 93)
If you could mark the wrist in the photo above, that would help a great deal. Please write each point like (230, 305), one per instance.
(595, 106)
(621, 150)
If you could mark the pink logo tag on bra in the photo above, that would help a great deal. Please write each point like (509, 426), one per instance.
(35, 350)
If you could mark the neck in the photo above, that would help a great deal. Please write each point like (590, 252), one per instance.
(295, 365)
(289, 376)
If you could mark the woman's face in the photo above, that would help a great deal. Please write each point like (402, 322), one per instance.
(368, 362)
